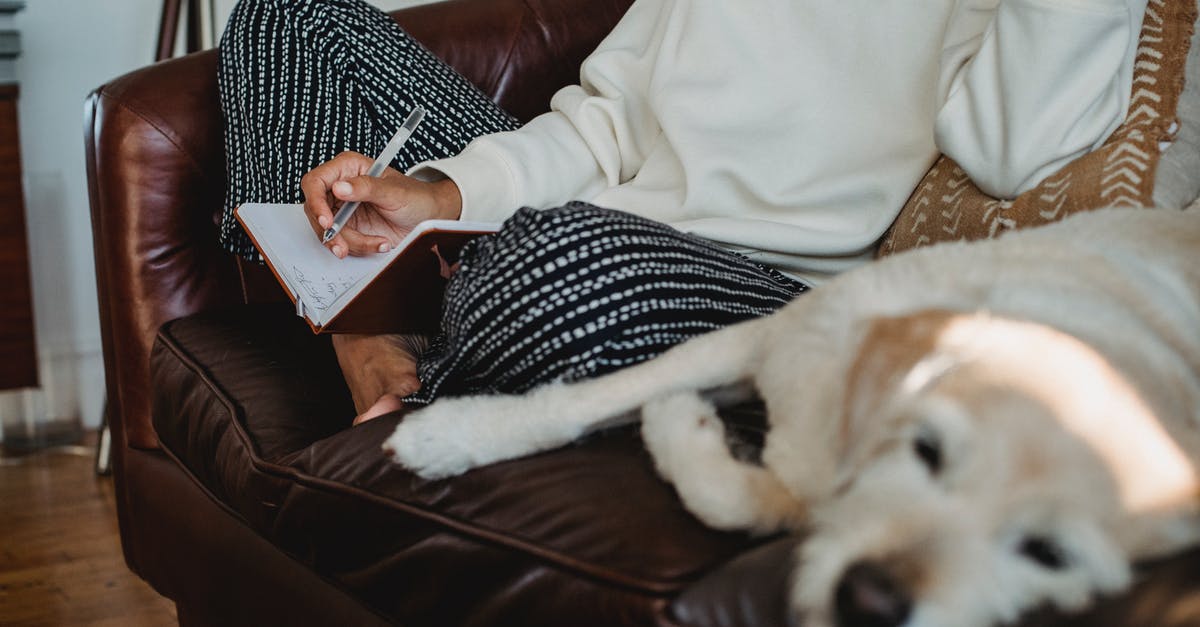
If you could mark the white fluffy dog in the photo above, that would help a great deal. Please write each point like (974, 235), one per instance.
(967, 430)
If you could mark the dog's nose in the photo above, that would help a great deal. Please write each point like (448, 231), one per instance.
(868, 596)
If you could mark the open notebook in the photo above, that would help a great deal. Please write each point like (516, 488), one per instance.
(395, 292)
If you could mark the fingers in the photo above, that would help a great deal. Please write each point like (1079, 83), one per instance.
(339, 245)
(351, 242)
(358, 244)
(389, 194)
(389, 205)
(355, 242)
(316, 184)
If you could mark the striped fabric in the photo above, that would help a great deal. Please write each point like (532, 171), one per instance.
(303, 80)
(575, 292)
(557, 295)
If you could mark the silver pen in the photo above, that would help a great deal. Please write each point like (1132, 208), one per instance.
(381, 163)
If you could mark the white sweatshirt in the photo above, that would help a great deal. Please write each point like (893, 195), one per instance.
(794, 130)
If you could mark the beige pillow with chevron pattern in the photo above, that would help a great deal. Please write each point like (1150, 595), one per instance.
(947, 206)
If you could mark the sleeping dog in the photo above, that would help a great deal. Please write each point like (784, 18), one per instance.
(966, 430)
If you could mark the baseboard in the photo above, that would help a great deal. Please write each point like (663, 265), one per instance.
(69, 401)
(26, 438)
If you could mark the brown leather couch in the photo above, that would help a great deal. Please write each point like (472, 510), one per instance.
(245, 496)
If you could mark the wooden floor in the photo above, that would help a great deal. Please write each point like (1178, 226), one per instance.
(60, 556)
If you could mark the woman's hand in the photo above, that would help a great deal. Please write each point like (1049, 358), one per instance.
(391, 204)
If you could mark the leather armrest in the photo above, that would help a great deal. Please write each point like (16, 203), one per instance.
(156, 173)
(155, 176)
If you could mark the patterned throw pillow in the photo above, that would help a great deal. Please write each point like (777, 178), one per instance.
(947, 206)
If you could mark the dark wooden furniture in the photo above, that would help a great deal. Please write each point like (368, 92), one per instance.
(172, 12)
(18, 356)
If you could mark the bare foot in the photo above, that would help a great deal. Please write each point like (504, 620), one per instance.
(379, 370)
(386, 404)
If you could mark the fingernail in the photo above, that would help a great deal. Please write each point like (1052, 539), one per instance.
(383, 248)
(323, 221)
(339, 251)
(342, 188)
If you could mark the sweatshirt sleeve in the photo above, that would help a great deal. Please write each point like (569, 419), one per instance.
(1029, 85)
(595, 136)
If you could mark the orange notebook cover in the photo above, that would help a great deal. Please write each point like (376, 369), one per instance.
(395, 292)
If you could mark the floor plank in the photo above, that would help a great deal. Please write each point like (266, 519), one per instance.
(60, 554)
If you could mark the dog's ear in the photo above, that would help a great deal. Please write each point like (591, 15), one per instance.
(897, 355)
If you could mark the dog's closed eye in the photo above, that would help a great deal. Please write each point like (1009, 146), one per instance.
(927, 446)
(1043, 552)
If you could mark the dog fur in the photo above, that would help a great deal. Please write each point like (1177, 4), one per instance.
(983, 427)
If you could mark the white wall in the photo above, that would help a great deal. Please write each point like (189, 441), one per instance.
(71, 47)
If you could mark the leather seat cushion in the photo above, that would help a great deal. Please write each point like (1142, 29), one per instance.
(254, 407)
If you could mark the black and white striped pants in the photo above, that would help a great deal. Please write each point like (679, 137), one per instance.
(556, 295)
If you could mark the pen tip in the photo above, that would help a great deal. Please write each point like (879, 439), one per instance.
(329, 233)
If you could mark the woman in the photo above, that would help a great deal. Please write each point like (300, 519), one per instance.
(752, 148)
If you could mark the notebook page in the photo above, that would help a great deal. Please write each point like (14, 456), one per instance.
(314, 274)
